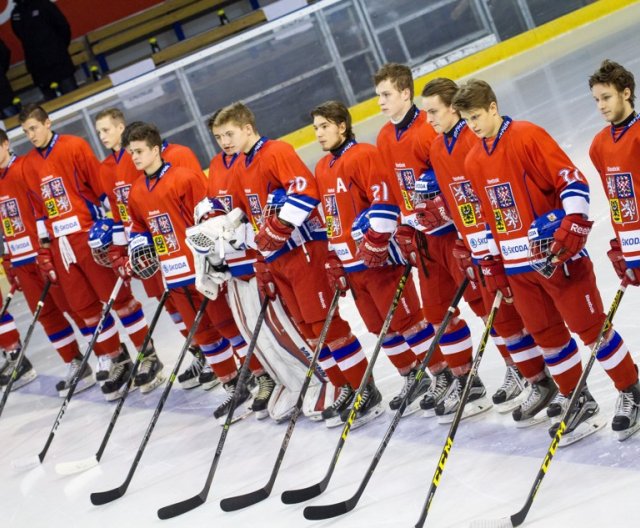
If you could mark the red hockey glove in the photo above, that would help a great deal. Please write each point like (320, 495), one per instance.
(570, 237)
(119, 258)
(266, 284)
(273, 234)
(10, 272)
(432, 213)
(463, 259)
(495, 278)
(405, 236)
(44, 260)
(374, 248)
(336, 274)
(630, 275)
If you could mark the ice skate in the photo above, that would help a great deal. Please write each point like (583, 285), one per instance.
(331, 415)
(319, 397)
(208, 378)
(86, 379)
(115, 384)
(370, 407)
(583, 420)
(266, 385)
(532, 410)
(512, 391)
(626, 420)
(4, 365)
(26, 373)
(557, 407)
(413, 405)
(476, 402)
(150, 373)
(281, 404)
(190, 378)
(103, 369)
(241, 411)
(436, 391)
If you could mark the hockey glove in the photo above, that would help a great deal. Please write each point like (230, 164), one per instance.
(44, 260)
(266, 284)
(463, 259)
(336, 274)
(432, 213)
(405, 236)
(10, 272)
(273, 234)
(119, 258)
(630, 275)
(374, 248)
(570, 238)
(495, 278)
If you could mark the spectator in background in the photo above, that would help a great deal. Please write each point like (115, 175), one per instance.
(6, 92)
(45, 35)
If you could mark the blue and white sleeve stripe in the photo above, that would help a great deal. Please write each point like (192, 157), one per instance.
(297, 208)
(383, 218)
(575, 198)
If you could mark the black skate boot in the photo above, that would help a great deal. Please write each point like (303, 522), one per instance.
(4, 365)
(582, 421)
(150, 373)
(86, 379)
(476, 403)
(121, 368)
(242, 394)
(25, 374)
(103, 368)
(261, 401)
(208, 378)
(414, 404)
(331, 415)
(626, 421)
(436, 391)
(511, 392)
(370, 407)
(190, 378)
(539, 395)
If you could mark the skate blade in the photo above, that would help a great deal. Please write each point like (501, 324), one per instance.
(509, 405)
(240, 414)
(153, 384)
(586, 428)
(188, 385)
(539, 418)
(313, 416)
(372, 414)
(333, 422)
(470, 409)
(27, 377)
(83, 384)
(261, 415)
(623, 435)
(211, 384)
(429, 413)
(414, 407)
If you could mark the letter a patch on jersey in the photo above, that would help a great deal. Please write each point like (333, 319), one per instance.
(467, 202)
(504, 207)
(55, 197)
(12, 223)
(332, 216)
(407, 181)
(164, 237)
(622, 198)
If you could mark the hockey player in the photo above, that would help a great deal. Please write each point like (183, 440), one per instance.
(453, 198)
(117, 174)
(19, 261)
(614, 153)
(293, 242)
(161, 208)
(67, 178)
(351, 178)
(567, 295)
(404, 143)
(11, 346)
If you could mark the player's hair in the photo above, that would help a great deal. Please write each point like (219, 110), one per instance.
(114, 113)
(399, 75)
(474, 94)
(127, 130)
(34, 111)
(615, 74)
(237, 113)
(3, 136)
(211, 121)
(445, 88)
(146, 132)
(337, 113)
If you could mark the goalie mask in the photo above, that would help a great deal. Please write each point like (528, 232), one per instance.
(143, 257)
(540, 239)
(426, 187)
(100, 240)
(209, 208)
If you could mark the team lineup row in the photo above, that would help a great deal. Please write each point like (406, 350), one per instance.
(461, 193)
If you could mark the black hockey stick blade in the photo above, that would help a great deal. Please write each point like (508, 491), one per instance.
(305, 494)
(246, 500)
(327, 511)
(173, 510)
(105, 497)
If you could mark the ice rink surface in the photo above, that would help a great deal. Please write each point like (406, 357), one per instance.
(594, 483)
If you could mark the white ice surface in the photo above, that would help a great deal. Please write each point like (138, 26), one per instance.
(594, 483)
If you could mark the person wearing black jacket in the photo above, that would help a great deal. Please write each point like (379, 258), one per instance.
(6, 92)
(45, 35)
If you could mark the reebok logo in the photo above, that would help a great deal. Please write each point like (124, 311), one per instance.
(580, 230)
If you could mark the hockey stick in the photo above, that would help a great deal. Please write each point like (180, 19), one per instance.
(178, 508)
(69, 468)
(304, 494)
(518, 518)
(442, 461)
(30, 462)
(7, 301)
(315, 513)
(103, 497)
(248, 499)
(27, 338)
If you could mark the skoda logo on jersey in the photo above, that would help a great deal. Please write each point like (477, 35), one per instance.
(512, 250)
(635, 241)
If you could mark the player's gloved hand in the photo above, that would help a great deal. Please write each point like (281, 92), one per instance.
(336, 274)
(629, 275)
(273, 234)
(463, 259)
(432, 213)
(44, 260)
(266, 284)
(374, 248)
(495, 278)
(570, 238)
(119, 258)
(10, 272)
(405, 236)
